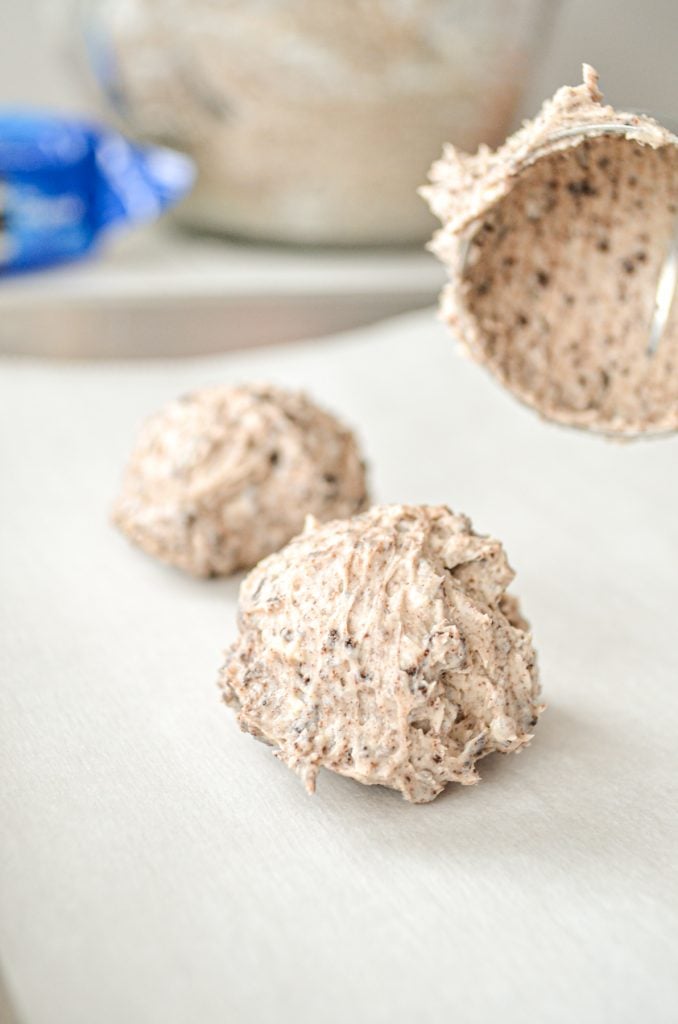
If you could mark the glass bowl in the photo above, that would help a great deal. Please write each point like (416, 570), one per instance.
(313, 122)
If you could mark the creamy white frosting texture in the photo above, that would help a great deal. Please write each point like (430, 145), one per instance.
(385, 648)
(222, 477)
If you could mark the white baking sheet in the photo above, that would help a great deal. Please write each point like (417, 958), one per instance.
(158, 866)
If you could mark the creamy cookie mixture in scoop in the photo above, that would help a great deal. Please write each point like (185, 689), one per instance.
(385, 648)
(222, 477)
(561, 249)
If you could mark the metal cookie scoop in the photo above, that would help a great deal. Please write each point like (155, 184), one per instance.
(668, 274)
(665, 294)
(667, 279)
(562, 252)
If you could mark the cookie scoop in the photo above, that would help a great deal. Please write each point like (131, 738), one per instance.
(224, 476)
(561, 248)
(385, 648)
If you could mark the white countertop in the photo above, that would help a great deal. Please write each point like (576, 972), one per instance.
(157, 865)
(158, 291)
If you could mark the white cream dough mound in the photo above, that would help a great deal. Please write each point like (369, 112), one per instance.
(385, 648)
(224, 476)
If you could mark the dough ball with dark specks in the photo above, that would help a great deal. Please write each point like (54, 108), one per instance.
(222, 477)
(385, 648)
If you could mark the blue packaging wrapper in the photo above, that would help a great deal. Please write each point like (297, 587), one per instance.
(64, 183)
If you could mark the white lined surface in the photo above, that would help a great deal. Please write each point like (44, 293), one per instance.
(157, 865)
(154, 262)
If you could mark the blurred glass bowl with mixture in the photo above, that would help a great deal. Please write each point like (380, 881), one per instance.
(312, 121)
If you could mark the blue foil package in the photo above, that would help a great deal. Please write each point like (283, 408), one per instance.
(64, 183)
